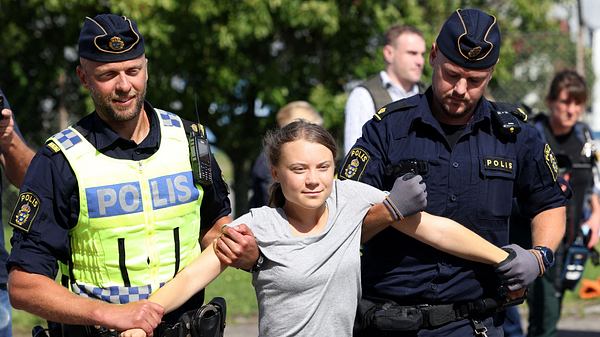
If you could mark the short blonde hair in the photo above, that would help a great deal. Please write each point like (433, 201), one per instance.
(298, 110)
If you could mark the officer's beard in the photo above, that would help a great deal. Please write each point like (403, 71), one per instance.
(106, 109)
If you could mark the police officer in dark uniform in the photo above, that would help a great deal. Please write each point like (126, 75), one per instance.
(113, 200)
(473, 167)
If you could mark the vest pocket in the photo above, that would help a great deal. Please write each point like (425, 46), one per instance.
(495, 192)
(122, 264)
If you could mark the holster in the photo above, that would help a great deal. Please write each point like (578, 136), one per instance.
(206, 321)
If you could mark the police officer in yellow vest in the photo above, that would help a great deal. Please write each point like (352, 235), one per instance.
(112, 201)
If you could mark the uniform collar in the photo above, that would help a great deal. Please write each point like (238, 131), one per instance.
(103, 137)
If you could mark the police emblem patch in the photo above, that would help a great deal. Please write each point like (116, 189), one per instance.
(116, 43)
(474, 52)
(25, 211)
(355, 164)
(551, 161)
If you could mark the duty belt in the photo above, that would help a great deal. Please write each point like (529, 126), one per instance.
(390, 316)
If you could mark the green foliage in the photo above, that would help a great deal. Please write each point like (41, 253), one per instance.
(236, 287)
(239, 61)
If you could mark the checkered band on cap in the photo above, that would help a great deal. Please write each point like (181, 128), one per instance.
(67, 138)
(169, 119)
(114, 294)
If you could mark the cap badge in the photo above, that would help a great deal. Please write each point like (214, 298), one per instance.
(116, 43)
(473, 53)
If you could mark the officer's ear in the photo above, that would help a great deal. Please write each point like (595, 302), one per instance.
(433, 54)
(82, 76)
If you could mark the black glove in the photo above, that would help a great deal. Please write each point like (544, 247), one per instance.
(407, 197)
(520, 268)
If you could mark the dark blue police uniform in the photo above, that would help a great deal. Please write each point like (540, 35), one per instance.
(472, 183)
(472, 172)
(51, 178)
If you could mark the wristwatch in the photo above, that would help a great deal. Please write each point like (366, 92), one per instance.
(258, 264)
(547, 256)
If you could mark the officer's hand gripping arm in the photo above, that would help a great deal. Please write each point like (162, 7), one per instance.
(520, 268)
(407, 197)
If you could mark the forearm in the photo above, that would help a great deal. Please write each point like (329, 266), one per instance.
(548, 228)
(450, 237)
(16, 158)
(377, 219)
(41, 296)
(189, 281)
(209, 236)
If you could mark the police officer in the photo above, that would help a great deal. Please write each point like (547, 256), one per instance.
(111, 201)
(572, 140)
(472, 167)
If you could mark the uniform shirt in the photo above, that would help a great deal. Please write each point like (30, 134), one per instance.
(51, 178)
(472, 183)
(360, 107)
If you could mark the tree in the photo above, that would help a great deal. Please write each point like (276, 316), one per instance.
(237, 61)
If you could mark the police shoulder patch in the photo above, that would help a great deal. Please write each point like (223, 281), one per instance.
(27, 207)
(355, 164)
(51, 145)
(400, 105)
(551, 161)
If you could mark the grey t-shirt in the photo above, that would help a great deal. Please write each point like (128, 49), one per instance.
(309, 286)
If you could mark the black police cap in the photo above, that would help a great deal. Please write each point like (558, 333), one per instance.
(110, 38)
(471, 39)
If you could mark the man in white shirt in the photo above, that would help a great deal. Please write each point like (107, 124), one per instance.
(403, 53)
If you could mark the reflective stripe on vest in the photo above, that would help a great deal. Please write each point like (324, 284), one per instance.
(139, 221)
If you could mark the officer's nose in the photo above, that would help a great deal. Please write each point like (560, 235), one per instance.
(123, 84)
(460, 87)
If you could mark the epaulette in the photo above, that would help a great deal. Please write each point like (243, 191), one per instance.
(507, 117)
(191, 127)
(52, 146)
(400, 105)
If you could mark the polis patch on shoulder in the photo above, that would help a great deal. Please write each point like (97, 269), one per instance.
(551, 161)
(25, 211)
(498, 164)
(355, 164)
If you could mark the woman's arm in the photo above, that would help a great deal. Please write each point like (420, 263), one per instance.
(451, 237)
(442, 233)
(189, 280)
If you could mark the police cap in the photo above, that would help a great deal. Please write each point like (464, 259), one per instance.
(471, 39)
(110, 38)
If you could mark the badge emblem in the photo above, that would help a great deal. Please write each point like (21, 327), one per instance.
(474, 52)
(551, 161)
(116, 43)
(355, 164)
(25, 211)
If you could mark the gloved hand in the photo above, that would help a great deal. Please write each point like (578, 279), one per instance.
(520, 268)
(407, 197)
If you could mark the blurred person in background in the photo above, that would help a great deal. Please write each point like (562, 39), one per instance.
(261, 174)
(404, 56)
(15, 157)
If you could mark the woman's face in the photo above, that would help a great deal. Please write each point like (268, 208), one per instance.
(305, 172)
